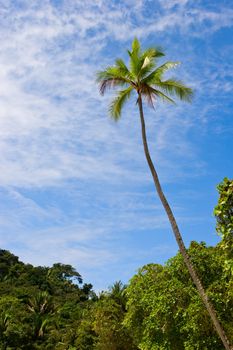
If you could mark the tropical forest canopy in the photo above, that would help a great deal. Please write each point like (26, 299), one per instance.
(52, 308)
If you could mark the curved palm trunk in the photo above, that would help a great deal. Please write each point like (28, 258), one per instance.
(178, 236)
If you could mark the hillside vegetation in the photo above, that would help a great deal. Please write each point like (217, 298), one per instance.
(51, 308)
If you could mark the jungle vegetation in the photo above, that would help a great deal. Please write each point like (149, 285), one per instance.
(160, 308)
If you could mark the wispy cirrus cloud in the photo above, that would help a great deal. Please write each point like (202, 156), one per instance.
(70, 178)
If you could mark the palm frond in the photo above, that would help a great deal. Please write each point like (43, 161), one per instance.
(141, 63)
(167, 65)
(120, 64)
(110, 72)
(147, 93)
(151, 94)
(153, 52)
(157, 74)
(161, 95)
(149, 58)
(176, 88)
(118, 103)
(147, 66)
(136, 47)
(111, 83)
(110, 78)
(134, 63)
(136, 59)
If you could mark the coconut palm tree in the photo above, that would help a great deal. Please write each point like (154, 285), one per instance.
(145, 79)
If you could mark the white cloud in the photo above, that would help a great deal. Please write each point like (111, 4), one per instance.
(50, 112)
(55, 135)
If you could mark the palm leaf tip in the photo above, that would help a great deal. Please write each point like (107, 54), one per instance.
(177, 88)
(101, 81)
(153, 52)
(100, 75)
(104, 84)
(135, 45)
(185, 94)
(105, 80)
(189, 95)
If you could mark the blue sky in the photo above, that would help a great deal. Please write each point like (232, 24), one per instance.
(74, 185)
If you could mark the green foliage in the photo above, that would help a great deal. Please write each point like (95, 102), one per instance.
(44, 308)
(86, 336)
(40, 307)
(159, 309)
(108, 325)
(164, 310)
(224, 216)
(143, 76)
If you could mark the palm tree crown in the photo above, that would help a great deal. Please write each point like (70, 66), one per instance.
(142, 76)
